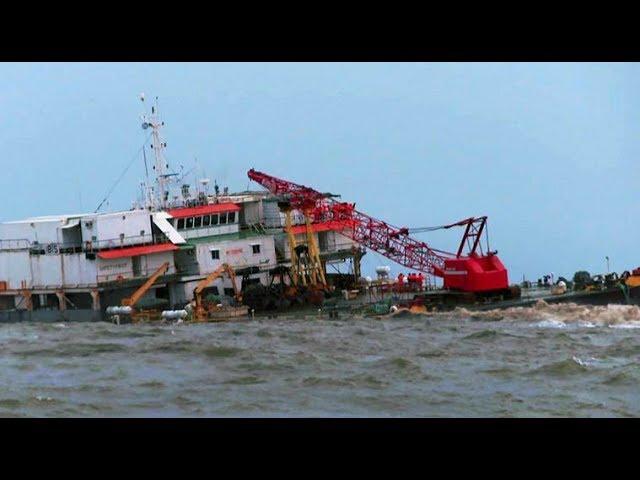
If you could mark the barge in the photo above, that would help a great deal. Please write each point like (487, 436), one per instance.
(74, 266)
(184, 252)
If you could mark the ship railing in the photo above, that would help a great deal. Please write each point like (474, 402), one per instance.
(128, 275)
(11, 244)
(56, 248)
(125, 242)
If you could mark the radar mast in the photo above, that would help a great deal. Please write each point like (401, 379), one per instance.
(153, 121)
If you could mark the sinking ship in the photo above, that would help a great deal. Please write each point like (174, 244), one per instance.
(183, 252)
(153, 256)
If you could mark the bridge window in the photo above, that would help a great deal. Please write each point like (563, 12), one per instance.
(214, 219)
(181, 224)
(197, 223)
(223, 218)
(190, 222)
(206, 220)
(231, 217)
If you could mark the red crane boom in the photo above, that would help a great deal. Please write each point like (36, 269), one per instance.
(475, 272)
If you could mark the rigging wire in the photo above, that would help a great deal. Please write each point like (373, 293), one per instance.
(186, 174)
(426, 229)
(115, 184)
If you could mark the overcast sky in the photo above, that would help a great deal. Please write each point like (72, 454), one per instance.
(547, 151)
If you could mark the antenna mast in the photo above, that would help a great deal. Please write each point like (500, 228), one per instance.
(153, 121)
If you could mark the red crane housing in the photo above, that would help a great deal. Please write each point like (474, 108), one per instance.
(473, 272)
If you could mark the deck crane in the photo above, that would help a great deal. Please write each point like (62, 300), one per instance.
(306, 266)
(476, 271)
(144, 288)
(200, 312)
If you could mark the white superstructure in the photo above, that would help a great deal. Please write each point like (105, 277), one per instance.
(93, 260)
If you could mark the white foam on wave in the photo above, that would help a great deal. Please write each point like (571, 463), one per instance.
(630, 325)
(551, 323)
(585, 363)
(562, 315)
(586, 325)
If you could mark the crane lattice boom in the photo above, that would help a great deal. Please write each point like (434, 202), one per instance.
(474, 272)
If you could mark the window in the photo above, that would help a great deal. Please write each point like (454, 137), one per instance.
(229, 292)
(223, 218)
(231, 217)
(255, 248)
(190, 222)
(206, 220)
(181, 224)
(215, 254)
(197, 222)
(214, 219)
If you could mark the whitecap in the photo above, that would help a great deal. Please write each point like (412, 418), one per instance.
(586, 325)
(629, 325)
(585, 363)
(551, 323)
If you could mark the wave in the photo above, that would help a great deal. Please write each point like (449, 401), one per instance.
(73, 350)
(546, 315)
(621, 378)
(220, 351)
(482, 335)
(563, 368)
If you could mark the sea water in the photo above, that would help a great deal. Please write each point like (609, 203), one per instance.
(544, 361)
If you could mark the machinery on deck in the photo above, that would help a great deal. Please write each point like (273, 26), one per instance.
(203, 310)
(144, 288)
(128, 305)
(476, 272)
(306, 266)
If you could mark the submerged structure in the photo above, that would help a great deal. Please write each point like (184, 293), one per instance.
(89, 261)
(182, 251)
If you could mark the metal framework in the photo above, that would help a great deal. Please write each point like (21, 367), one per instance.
(472, 235)
(200, 311)
(394, 242)
(306, 266)
(139, 293)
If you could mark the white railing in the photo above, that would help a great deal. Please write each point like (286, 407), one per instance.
(14, 244)
(131, 275)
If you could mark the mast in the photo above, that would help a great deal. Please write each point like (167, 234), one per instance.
(160, 200)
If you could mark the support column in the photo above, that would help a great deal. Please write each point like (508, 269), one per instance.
(357, 255)
(26, 294)
(62, 300)
(316, 271)
(95, 296)
(291, 239)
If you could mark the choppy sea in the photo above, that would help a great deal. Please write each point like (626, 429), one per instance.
(544, 361)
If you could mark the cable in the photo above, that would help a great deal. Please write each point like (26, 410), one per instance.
(115, 184)
(426, 229)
